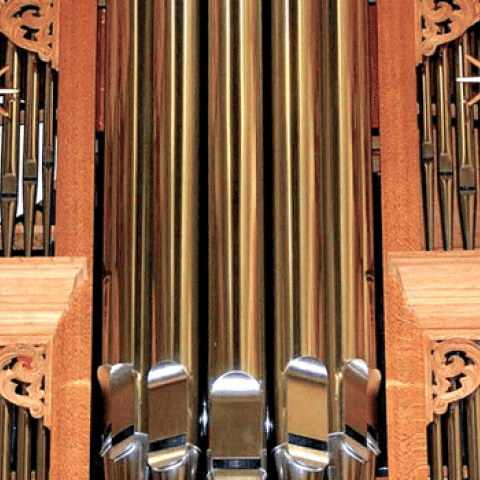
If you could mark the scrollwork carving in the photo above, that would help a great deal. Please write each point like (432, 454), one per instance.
(29, 24)
(441, 22)
(14, 371)
(456, 372)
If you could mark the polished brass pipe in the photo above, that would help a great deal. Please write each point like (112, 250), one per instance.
(175, 255)
(10, 145)
(48, 158)
(344, 107)
(465, 144)
(455, 463)
(24, 445)
(30, 161)
(5, 443)
(236, 303)
(296, 79)
(111, 214)
(445, 147)
(299, 333)
(235, 165)
(129, 145)
(428, 152)
(174, 399)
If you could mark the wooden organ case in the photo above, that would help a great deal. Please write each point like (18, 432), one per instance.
(424, 157)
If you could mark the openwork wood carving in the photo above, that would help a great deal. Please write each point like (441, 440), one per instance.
(22, 373)
(456, 372)
(29, 24)
(441, 22)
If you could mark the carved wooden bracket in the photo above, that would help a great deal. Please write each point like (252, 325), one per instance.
(22, 376)
(30, 25)
(456, 371)
(441, 22)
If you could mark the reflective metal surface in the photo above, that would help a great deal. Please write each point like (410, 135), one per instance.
(428, 152)
(236, 169)
(445, 147)
(10, 144)
(30, 160)
(325, 392)
(465, 145)
(173, 378)
(236, 319)
(297, 144)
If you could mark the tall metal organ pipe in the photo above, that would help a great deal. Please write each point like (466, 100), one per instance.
(301, 376)
(129, 152)
(325, 378)
(323, 239)
(173, 378)
(344, 227)
(236, 320)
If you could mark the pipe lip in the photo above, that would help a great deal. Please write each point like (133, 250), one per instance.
(166, 371)
(235, 383)
(310, 368)
(282, 455)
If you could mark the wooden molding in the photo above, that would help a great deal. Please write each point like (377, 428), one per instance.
(34, 296)
(434, 301)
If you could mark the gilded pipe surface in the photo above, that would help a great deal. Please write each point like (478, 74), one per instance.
(236, 303)
(175, 255)
(48, 157)
(10, 145)
(445, 147)
(129, 146)
(296, 77)
(300, 390)
(465, 144)
(30, 161)
(236, 211)
(173, 378)
(345, 130)
(428, 151)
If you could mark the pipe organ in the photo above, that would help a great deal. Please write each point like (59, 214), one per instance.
(239, 239)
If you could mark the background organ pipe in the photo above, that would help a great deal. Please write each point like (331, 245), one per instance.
(30, 162)
(10, 145)
(465, 149)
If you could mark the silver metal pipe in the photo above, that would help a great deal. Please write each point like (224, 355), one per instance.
(236, 320)
(173, 379)
(345, 130)
(129, 140)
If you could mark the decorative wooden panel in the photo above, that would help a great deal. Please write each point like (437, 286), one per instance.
(434, 310)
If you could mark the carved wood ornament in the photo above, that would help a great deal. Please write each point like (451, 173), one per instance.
(456, 372)
(442, 22)
(30, 24)
(24, 365)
